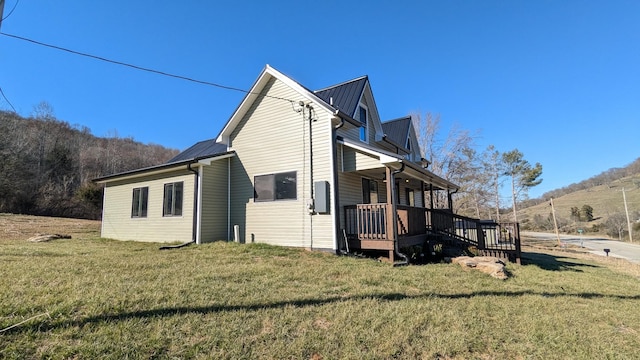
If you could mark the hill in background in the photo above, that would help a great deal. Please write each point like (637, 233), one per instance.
(602, 193)
(46, 165)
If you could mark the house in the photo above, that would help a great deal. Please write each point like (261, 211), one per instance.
(291, 167)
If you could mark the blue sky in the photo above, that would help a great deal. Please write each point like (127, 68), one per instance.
(559, 80)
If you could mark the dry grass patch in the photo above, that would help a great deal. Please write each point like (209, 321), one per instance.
(21, 227)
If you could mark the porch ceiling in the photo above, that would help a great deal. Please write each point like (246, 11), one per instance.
(377, 160)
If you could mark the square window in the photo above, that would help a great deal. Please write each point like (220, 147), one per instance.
(273, 187)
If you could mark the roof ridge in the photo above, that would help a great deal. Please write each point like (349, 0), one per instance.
(342, 83)
(408, 117)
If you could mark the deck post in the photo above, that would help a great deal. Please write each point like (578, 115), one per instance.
(391, 217)
(431, 195)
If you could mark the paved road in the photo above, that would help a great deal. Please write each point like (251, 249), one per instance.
(596, 245)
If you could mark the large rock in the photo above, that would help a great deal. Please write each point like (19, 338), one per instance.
(48, 237)
(487, 264)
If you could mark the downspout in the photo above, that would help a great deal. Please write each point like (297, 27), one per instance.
(336, 190)
(394, 202)
(451, 199)
(195, 211)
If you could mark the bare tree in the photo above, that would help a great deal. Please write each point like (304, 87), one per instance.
(493, 168)
(447, 154)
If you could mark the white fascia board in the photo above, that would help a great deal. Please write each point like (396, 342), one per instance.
(140, 174)
(208, 161)
(389, 157)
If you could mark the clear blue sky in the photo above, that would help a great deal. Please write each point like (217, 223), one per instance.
(559, 80)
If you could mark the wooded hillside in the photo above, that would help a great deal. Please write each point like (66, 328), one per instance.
(46, 165)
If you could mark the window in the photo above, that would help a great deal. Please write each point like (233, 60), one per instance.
(410, 198)
(139, 202)
(369, 191)
(273, 187)
(172, 199)
(364, 130)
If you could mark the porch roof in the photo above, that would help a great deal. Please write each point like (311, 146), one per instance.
(397, 162)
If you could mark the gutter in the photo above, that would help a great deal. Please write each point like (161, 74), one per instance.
(336, 189)
(194, 226)
(398, 147)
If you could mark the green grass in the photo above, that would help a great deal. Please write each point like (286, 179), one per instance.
(114, 300)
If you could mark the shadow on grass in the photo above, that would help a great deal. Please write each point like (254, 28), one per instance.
(301, 303)
(553, 263)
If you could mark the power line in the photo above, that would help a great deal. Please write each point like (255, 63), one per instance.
(7, 100)
(141, 68)
(10, 12)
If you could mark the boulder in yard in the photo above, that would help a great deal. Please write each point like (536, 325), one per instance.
(486, 264)
(47, 237)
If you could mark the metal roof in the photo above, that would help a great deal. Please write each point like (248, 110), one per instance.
(201, 149)
(344, 96)
(397, 130)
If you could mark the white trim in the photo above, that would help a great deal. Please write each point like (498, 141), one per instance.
(208, 161)
(367, 122)
(165, 168)
(229, 199)
(198, 213)
(332, 166)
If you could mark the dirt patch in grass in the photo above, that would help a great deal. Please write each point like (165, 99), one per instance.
(22, 227)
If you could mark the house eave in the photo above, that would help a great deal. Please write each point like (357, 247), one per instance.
(395, 162)
(162, 169)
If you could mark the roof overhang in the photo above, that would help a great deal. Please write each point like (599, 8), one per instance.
(163, 169)
(396, 162)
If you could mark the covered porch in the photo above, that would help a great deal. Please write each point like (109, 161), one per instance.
(399, 211)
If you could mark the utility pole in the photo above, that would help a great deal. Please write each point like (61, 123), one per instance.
(555, 223)
(626, 210)
(1, 12)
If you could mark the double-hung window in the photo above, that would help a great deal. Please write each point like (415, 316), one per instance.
(364, 126)
(139, 202)
(274, 187)
(173, 199)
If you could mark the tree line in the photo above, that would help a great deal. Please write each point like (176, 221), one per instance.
(46, 164)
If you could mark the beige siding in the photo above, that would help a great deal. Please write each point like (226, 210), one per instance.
(213, 221)
(117, 222)
(273, 138)
(356, 160)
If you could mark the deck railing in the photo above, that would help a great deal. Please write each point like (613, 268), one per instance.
(489, 237)
(370, 222)
(367, 221)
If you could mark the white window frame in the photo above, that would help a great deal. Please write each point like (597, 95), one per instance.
(367, 123)
(172, 211)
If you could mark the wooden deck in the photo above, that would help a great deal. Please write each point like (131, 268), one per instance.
(368, 227)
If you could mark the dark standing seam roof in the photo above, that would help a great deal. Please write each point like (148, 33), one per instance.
(345, 95)
(199, 150)
(397, 130)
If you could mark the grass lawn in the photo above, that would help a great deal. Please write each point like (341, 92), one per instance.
(88, 298)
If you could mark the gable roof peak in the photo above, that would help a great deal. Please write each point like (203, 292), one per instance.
(361, 78)
(344, 96)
